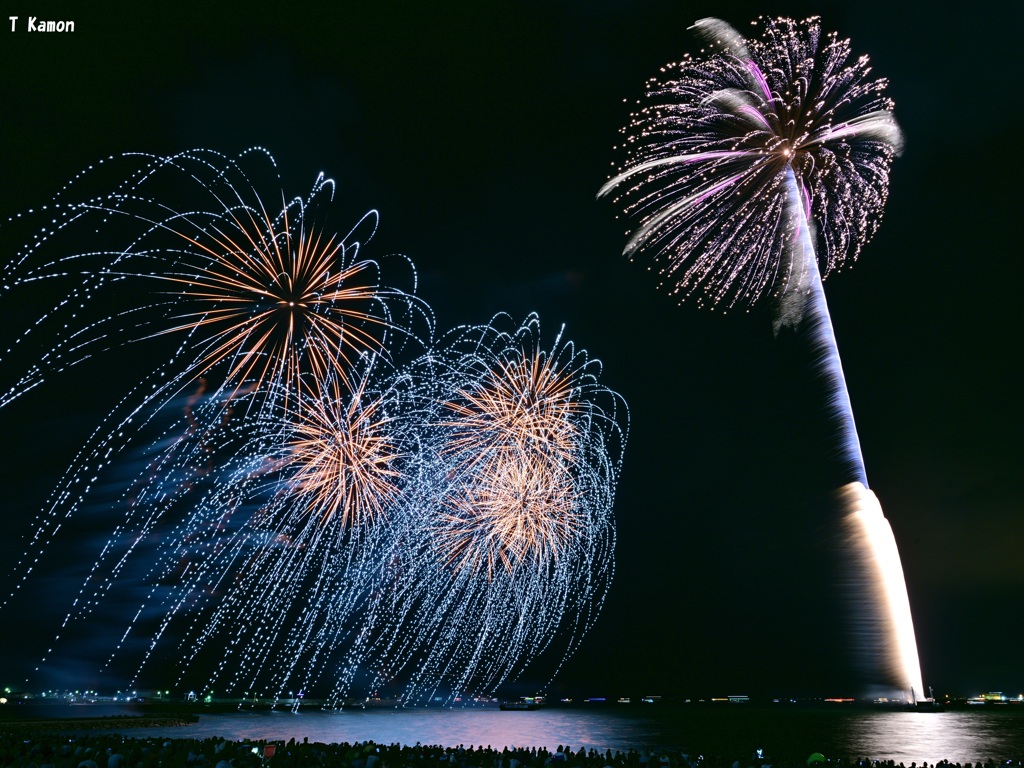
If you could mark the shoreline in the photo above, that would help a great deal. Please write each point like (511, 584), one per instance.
(104, 723)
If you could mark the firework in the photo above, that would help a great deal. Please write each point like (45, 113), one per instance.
(752, 171)
(520, 427)
(343, 458)
(508, 550)
(514, 507)
(260, 296)
(328, 495)
(309, 492)
(259, 539)
(711, 153)
(365, 541)
(259, 303)
(514, 432)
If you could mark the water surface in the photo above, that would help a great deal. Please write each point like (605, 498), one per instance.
(784, 733)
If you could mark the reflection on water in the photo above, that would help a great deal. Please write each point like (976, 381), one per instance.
(955, 736)
(786, 734)
(548, 728)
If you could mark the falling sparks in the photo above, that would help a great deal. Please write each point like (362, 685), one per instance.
(510, 551)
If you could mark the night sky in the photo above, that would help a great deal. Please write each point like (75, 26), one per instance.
(482, 131)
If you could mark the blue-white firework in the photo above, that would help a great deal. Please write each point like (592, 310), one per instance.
(310, 493)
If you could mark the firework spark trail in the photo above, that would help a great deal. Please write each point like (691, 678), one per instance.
(198, 498)
(736, 162)
(815, 329)
(878, 585)
(399, 607)
(267, 564)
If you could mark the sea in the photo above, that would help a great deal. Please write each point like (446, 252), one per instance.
(786, 733)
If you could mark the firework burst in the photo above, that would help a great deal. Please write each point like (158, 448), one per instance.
(719, 143)
(510, 511)
(261, 298)
(514, 433)
(343, 457)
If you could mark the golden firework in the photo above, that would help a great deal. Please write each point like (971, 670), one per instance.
(524, 404)
(276, 300)
(512, 511)
(513, 438)
(346, 458)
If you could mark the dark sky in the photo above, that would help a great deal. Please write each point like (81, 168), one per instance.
(482, 131)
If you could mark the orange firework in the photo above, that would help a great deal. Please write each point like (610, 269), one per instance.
(524, 404)
(278, 301)
(513, 510)
(513, 440)
(346, 457)
(271, 299)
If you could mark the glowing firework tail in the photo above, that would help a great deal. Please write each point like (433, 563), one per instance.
(805, 297)
(736, 163)
(879, 588)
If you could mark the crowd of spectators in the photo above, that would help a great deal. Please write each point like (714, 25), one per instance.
(52, 750)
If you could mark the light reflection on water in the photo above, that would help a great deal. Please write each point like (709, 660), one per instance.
(483, 727)
(955, 736)
(733, 732)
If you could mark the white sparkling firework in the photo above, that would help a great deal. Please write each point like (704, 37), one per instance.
(752, 171)
(710, 149)
(317, 497)
(309, 513)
